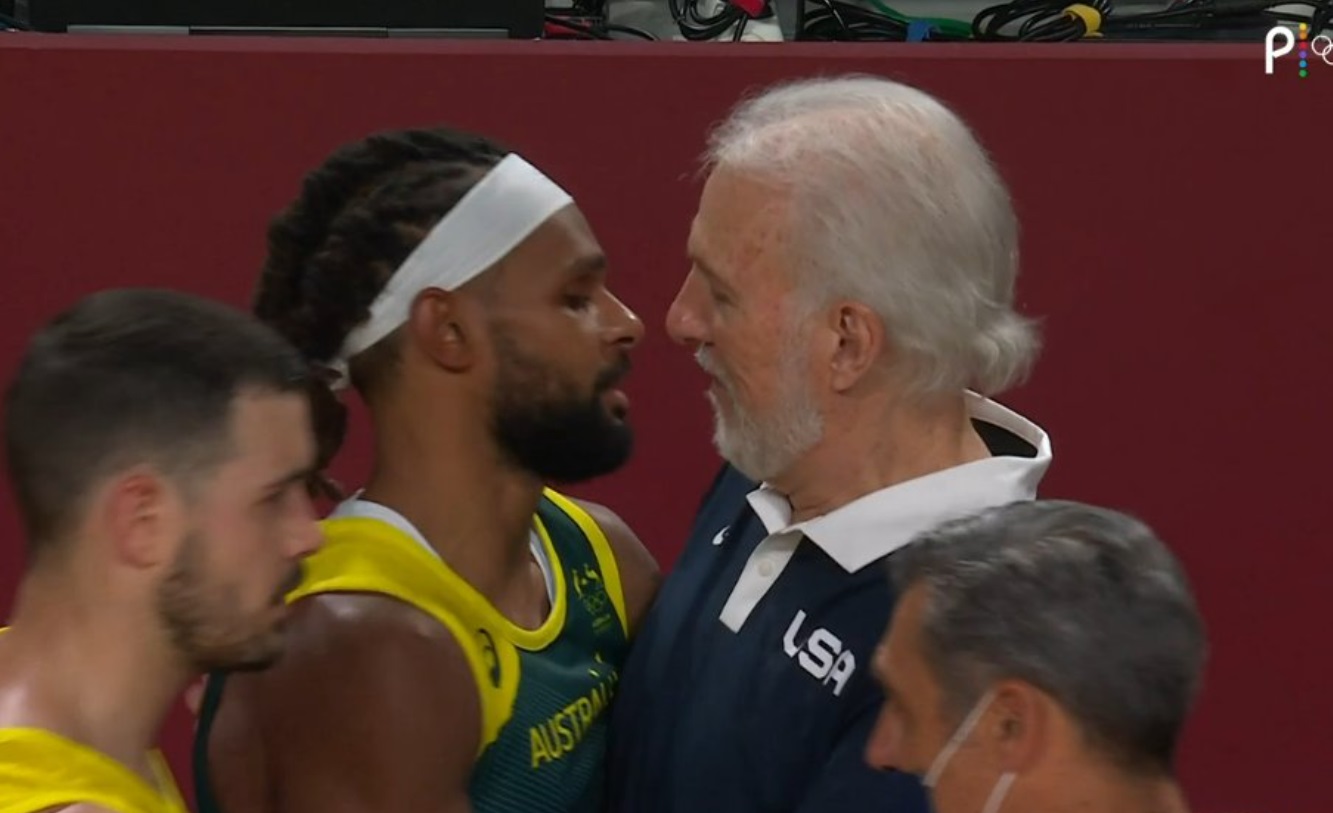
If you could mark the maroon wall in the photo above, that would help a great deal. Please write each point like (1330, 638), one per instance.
(1175, 237)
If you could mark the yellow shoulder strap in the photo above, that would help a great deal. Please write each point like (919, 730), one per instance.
(171, 794)
(601, 548)
(365, 555)
(40, 770)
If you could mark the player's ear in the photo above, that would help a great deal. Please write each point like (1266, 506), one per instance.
(446, 328)
(141, 512)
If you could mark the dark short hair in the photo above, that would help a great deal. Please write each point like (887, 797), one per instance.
(125, 377)
(1082, 602)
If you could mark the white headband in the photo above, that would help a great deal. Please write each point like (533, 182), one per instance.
(497, 214)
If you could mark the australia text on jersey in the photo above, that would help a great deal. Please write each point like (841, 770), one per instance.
(559, 734)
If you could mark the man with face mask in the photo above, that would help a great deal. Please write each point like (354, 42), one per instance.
(458, 642)
(1043, 657)
(159, 447)
(851, 296)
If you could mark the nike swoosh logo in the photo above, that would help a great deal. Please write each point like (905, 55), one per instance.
(721, 536)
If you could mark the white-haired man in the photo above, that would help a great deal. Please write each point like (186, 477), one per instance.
(850, 294)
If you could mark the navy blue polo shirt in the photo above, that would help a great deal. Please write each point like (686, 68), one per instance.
(748, 687)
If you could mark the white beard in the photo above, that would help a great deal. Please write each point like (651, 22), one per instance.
(763, 446)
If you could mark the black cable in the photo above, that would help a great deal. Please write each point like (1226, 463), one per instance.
(1051, 21)
(597, 31)
(587, 18)
(840, 21)
(1041, 21)
(587, 32)
(696, 26)
(837, 17)
(830, 23)
(631, 30)
(1217, 16)
(1321, 19)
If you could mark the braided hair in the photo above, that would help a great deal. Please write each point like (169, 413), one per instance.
(331, 252)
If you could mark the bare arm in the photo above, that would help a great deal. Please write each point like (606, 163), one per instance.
(639, 574)
(372, 708)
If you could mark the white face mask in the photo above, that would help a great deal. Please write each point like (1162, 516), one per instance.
(959, 737)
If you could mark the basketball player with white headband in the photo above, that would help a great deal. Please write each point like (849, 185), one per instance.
(455, 645)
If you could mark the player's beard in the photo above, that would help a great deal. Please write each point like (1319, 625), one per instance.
(205, 621)
(545, 425)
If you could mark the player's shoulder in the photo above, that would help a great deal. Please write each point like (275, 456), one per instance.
(617, 530)
(641, 576)
(360, 646)
(376, 645)
(622, 538)
(347, 626)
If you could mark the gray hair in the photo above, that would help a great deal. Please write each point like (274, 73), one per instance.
(1081, 602)
(895, 205)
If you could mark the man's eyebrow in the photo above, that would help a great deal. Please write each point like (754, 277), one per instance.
(709, 274)
(292, 478)
(587, 264)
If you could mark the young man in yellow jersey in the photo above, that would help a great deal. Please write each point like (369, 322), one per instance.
(457, 643)
(159, 447)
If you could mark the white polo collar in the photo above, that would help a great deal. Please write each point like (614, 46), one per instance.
(873, 526)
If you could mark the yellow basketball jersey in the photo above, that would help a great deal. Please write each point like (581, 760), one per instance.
(543, 693)
(370, 556)
(40, 770)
